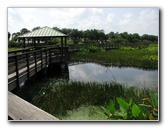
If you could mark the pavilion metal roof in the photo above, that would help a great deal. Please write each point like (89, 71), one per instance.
(43, 32)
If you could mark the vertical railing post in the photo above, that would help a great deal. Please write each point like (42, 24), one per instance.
(67, 53)
(35, 62)
(41, 56)
(50, 55)
(46, 57)
(17, 72)
(27, 58)
(62, 49)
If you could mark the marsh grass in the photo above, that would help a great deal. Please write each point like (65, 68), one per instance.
(146, 58)
(85, 113)
(12, 49)
(61, 98)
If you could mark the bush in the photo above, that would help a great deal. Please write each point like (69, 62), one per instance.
(83, 51)
(147, 110)
(92, 48)
(13, 44)
(80, 43)
(56, 40)
(70, 42)
(127, 48)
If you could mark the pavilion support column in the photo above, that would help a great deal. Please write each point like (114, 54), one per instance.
(61, 41)
(65, 42)
(66, 49)
(38, 41)
(24, 42)
(61, 49)
(34, 41)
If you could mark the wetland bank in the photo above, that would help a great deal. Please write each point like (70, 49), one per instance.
(79, 93)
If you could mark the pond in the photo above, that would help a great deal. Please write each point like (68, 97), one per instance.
(51, 94)
(126, 75)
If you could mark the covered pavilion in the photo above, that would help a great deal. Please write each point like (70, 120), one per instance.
(44, 33)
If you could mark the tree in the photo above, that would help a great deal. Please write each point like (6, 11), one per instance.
(125, 35)
(149, 37)
(111, 35)
(135, 38)
(9, 35)
(56, 28)
(14, 35)
(23, 31)
(35, 28)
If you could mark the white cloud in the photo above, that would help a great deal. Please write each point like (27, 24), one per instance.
(110, 19)
(128, 15)
(144, 23)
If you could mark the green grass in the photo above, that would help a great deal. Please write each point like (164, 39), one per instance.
(66, 100)
(85, 113)
(146, 58)
(76, 100)
(12, 49)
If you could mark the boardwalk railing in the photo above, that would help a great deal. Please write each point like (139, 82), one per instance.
(23, 64)
(106, 46)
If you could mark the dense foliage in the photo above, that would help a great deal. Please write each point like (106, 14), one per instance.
(147, 110)
(141, 57)
(58, 96)
(93, 36)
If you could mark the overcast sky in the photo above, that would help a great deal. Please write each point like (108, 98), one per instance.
(131, 20)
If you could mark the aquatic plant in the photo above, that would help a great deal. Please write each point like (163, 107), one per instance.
(57, 97)
(147, 110)
(126, 56)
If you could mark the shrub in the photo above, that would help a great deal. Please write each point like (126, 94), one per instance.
(70, 42)
(15, 44)
(92, 48)
(80, 43)
(148, 110)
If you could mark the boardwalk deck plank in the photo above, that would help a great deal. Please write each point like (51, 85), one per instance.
(19, 109)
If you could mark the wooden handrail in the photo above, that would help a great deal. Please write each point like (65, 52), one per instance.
(23, 66)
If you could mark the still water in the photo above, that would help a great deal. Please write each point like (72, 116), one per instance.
(127, 75)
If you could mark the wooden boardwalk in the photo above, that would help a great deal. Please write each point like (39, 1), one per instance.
(19, 109)
(22, 66)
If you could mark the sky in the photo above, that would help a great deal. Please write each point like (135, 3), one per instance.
(131, 20)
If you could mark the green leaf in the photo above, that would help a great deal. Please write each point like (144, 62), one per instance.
(131, 101)
(151, 117)
(135, 110)
(111, 107)
(146, 105)
(106, 112)
(124, 106)
(154, 99)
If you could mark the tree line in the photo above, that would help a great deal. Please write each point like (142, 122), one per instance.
(94, 35)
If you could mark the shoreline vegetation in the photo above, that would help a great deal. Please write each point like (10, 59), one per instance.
(145, 57)
(66, 100)
(78, 100)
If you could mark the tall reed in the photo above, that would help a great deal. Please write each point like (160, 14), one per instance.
(59, 96)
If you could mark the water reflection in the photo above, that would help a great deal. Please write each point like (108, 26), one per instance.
(128, 76)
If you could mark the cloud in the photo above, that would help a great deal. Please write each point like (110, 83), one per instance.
(110, 17)
(132, 20)
(145, 22)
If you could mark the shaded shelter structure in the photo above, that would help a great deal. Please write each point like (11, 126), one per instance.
(44, 33)
(25, 63)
